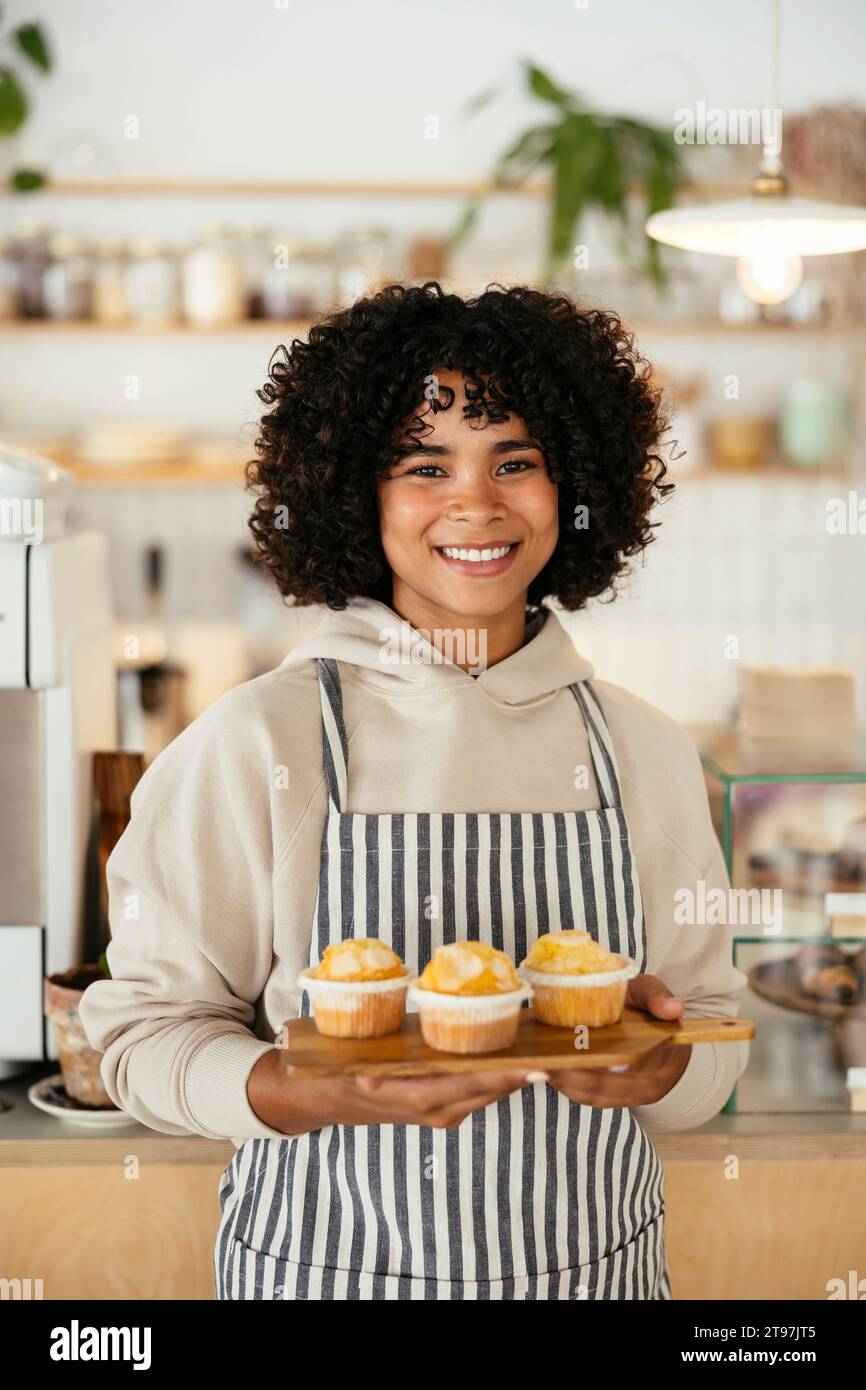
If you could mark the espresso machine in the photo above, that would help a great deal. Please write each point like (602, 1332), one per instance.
(58, 705)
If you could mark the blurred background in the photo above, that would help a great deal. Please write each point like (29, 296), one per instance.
(216, 175)
(188, 185)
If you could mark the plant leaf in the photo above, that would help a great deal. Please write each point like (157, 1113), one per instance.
(26, 180)
(103, 965)
(524, 155)
(32, 42)
(544, 87)
(582, 146)
(612, 180)
(13, 103)
(477, 103)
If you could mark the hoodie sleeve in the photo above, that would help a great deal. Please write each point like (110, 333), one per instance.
(191, 917)
(698, 967)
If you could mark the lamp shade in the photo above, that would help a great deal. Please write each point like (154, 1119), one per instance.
(797, 226)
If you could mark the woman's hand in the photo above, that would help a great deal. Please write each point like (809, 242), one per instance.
(643, 1081)
(294, 1106)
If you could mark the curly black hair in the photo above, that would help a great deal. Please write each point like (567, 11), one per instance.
(339, 403)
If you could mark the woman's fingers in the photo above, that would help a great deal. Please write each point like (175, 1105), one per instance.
(427, 1097)
(447, 1085)
(651, 994)
(369, 1083)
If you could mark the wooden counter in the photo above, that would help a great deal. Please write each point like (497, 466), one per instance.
(758, 1206)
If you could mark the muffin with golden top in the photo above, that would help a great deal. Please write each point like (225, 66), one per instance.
(469, 998)
(575, 980)
(358, 989)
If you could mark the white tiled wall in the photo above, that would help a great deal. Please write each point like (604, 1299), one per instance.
(743, 558)
(735, 557)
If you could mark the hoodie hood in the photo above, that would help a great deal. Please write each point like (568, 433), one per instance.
(391, 655)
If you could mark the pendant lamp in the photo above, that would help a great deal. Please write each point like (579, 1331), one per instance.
(770, 230)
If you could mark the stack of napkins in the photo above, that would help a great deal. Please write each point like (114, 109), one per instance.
(796, 703)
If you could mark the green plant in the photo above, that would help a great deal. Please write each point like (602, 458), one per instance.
(593, 159)
(103, 965)
(28, 41)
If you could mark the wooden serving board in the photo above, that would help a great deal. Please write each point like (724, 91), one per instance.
(307, 1052)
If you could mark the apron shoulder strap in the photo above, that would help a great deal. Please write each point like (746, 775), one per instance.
(335, 744)
(600, 744)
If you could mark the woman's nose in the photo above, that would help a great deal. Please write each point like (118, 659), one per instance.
(476, 501)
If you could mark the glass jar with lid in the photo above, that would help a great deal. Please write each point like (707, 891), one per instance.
(7, 282)
(299, 279)
(252, 248)
(213, 285)
(364, 263)
(28, 259)
(68, 279)
(152, 284)
(109, 283)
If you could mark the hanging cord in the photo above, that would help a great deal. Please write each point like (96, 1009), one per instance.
(771, 162)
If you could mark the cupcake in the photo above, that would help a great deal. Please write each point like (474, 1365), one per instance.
(469, 998)
(358, 989)
(575, 980)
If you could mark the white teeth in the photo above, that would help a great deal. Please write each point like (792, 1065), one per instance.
(478, 555)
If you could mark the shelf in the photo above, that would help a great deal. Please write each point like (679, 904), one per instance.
(732, 758)
(64, 327)
(216, 469)
(709, 473)
(346, 188)
(712, 328)
(166, 475)
(195, 475)
(296, 327)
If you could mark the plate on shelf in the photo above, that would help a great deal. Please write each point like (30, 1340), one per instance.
(51, 1095)
(777, 982)
(307, 1052)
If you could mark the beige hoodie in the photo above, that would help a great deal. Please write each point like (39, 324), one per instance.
(212, 886)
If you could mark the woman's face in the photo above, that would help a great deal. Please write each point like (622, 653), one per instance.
(478, 488)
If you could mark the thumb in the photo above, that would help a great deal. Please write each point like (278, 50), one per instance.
(367, 1083)
(649, 993)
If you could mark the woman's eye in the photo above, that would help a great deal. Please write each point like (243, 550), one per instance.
(519, 463)
(430, 470)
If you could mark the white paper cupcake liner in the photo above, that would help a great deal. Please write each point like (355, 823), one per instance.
(343, 994)
(472, 1006)
(598, 977)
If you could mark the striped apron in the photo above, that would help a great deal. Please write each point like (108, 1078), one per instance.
(533, 1197)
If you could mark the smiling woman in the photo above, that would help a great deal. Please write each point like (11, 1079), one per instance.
(434, 766)
(489, 419)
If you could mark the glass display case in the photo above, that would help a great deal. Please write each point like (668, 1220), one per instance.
(791, 820)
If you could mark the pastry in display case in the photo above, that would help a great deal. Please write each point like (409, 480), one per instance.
(791, 819)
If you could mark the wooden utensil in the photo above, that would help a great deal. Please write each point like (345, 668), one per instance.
(115, 777)
(305, 1052)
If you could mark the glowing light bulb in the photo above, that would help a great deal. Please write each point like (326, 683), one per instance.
(769, 274)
